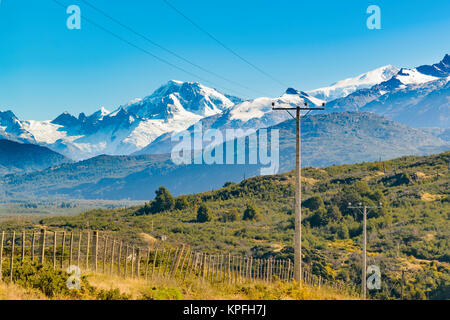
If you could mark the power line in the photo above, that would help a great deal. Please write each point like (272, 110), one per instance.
(224, 45)
(143, 50)
(165, 49)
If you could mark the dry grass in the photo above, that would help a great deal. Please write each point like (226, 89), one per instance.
(196, 289)
(431, 197)
(15, 292)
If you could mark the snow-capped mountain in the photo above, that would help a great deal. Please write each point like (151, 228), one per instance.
(407, 97)
(173, 107)
(418, 97)
(248, 115)
(345, 87)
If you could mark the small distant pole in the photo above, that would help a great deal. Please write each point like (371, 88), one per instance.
(364, 268)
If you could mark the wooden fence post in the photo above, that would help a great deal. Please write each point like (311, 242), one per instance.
(177, 262)
(95, 240)
(63, 244)
(12, 257)
(1, 253)
(70, 248)
(105, 247)
(54, 250)
(154, 262)
(23, 246)
(119, 254)
(111, 269)
(87, 249)
(126, 262)
(138, 260)
(42, 257)
(33, 240)
(79, 249)
(132, 262)
(146, 263)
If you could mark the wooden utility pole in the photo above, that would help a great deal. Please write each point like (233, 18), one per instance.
(298, 186)
(365, 252)
(364, 267)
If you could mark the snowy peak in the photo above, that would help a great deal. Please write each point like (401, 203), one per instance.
(179, 98)
(347, 86)
(441, 69)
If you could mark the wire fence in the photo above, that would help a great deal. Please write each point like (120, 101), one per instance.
(94, 251)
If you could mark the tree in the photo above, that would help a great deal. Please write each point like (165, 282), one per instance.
(203, 213)
(181, 203)
(313, 203)
(251, 213)
(163, 201)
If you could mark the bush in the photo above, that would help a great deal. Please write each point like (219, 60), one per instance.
(181, 203)
(313, 203)
(229, 216)
(164, 201)
(203, 214)
(251, 213)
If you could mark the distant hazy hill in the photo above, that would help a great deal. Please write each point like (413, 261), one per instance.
(328, 139)
(18, 157)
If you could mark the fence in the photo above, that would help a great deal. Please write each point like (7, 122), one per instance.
(97, 252)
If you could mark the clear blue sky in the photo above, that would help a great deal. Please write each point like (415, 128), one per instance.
(46, 69)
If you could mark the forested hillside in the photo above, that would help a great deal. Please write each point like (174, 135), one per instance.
(410, 233)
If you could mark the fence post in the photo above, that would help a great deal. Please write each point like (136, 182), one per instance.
(12, 256)
(95, 240)
(126, 262)
(138, 258)
(33, 240)
(63, 245)
(42, 257)
(105, 247)
(146, 263)
(79, 249)
(54, 250)
(118, 258)
(70, 248)
(132, 262)
(87, 249)
(177, 262)
(1, 254)
(23, 246)
(112, 257)
(154, 262)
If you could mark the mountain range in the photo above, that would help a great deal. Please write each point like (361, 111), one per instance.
(418, 97)
(328, 139)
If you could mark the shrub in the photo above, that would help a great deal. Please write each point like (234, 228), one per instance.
(203, 213)
(251, 213)
(181, 203)
(313, 203)
(230, 215)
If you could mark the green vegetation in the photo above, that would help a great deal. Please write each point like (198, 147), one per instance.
(410, 232)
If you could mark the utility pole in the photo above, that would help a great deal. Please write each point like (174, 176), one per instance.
(298, 185)
(364, 268)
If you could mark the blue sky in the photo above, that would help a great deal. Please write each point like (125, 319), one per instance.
(46, 69)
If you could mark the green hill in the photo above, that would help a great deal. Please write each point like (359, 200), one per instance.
(411, 232)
